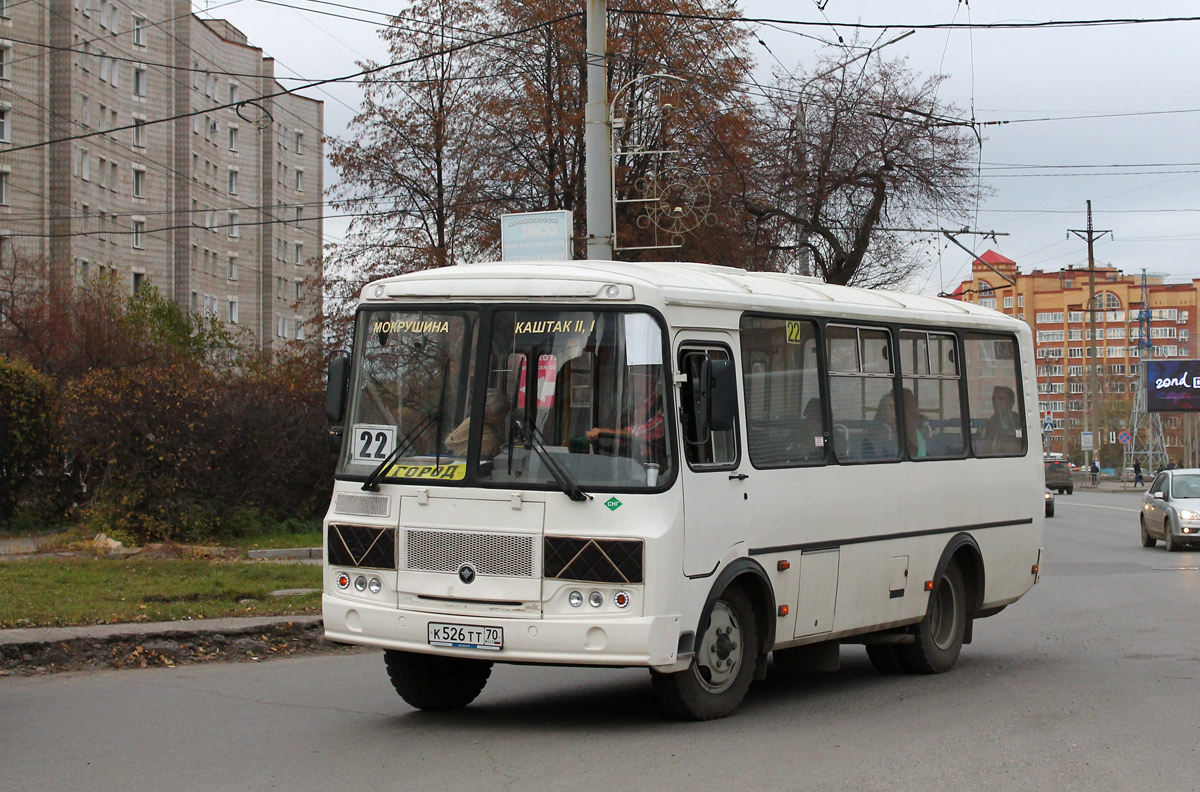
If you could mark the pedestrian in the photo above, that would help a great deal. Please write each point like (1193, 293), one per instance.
(1095, 472)
(1137, 474)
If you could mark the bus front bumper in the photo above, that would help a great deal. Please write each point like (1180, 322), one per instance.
(639, 641)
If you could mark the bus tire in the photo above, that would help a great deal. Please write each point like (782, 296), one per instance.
(723, 667)
(431, 682)
(886, 658)
(939, 636)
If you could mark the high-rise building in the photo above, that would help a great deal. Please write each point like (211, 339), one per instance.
(1055, 304)
(140, 141)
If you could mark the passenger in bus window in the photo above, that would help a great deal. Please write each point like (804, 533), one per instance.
(1000, 431)
(914, 426)
(494, 411)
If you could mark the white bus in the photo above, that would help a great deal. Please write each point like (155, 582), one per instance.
(681, 467)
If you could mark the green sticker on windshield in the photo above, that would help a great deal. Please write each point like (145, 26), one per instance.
(613, 504)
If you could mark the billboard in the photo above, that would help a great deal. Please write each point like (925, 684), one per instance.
(1172, 385)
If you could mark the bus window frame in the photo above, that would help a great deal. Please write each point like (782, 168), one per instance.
(691, 346)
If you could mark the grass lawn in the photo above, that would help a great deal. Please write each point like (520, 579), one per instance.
(55, 591)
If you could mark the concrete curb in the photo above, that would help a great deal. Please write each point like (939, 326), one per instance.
(312, 553)
(37, 636)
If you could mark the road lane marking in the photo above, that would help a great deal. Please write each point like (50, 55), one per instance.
(1093, 506)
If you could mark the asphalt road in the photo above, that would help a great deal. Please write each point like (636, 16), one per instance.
(1089, 683)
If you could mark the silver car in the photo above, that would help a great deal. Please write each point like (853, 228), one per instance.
(1171, 509)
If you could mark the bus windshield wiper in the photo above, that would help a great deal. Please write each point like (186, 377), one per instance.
(371, 484)
(569, 487)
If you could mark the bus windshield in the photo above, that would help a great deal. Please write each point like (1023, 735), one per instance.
(411, 387)
(570, 399)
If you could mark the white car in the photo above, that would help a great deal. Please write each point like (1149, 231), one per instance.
(1171, 509)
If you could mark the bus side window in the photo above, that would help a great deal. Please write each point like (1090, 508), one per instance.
(703, 446)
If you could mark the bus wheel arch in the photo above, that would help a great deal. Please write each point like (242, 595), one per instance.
(734, 626)
(954, 600)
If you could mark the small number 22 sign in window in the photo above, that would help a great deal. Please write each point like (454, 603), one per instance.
(372, 443)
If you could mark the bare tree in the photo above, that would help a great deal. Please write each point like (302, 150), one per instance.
(849, 157)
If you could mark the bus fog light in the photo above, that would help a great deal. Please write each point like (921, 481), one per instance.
(595, 599)
(621, 599)
(375, 586)
(575, 598)
(343, 580)
(360, 583)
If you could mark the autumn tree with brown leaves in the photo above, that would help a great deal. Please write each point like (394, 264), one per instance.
(850, 158)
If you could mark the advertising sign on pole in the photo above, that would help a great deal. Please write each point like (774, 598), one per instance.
(1085, 441)
(536, 236)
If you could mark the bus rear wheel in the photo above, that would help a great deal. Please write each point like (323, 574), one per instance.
(430, 682)
(939, 636)
(722, 668)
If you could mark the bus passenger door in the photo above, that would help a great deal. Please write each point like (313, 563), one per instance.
(714, 492)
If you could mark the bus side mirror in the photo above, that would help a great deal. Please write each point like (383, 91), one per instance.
(715, 397)
(338, 378)
(722, 396)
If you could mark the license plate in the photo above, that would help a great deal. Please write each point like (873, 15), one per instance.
(466, 636)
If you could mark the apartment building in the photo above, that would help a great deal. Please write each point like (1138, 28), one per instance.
(144, 143)
(1067, 337)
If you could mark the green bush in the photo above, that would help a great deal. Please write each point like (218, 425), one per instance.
(28, 433)
(177, 452)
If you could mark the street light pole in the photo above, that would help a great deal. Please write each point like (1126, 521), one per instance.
(597, 136)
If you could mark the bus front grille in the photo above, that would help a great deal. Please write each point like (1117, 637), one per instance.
(594, 560)
(360, 546)
(508, 555)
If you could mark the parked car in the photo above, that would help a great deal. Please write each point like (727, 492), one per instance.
(1049, 503)
(1171, 509)
(1058, 477)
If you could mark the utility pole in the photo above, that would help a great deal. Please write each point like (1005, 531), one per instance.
(597, 136)
(1091, 419)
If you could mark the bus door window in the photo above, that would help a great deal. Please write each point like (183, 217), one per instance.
(704, 446)
(929, 365)
(994, 395)
(861, 394)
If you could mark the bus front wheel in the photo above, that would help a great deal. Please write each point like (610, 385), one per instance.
(939, 636)
(722, 668)
(430, 682)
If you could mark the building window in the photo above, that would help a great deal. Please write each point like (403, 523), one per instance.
(232, 274)
(1008, 302)
(233, 312)
(139, 32)
(299, 329)
(3, 188)
(299, 140)
(3, 9)
(299, 180)
(233, 182)
(233, 93)
(139, 235)
(233, 225)
(299, 215)
(139, 182)
(139, 81)
(299, 291)
(85, 165)
(139, 132)
(5, 132)
(233, 132)
(5, 59)
(299, 256)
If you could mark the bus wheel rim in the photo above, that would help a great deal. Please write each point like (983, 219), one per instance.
(721, 651)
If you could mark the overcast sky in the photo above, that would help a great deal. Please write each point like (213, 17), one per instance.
(1137, 158)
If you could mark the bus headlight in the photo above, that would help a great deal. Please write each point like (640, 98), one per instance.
(575, 598)
(375, 585)
(595, 599)
(360, 583)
